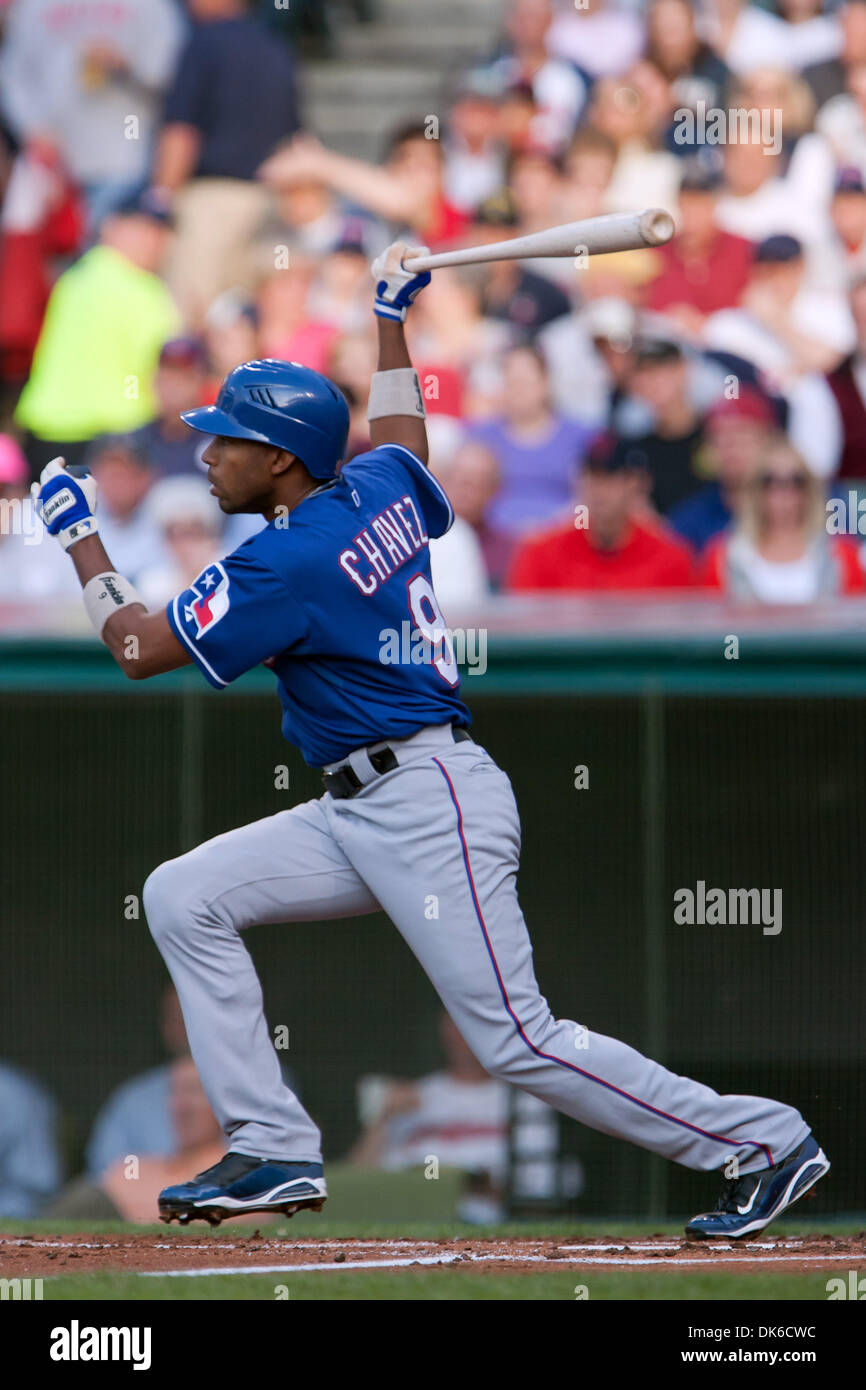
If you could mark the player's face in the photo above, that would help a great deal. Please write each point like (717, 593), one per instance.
(240, 472)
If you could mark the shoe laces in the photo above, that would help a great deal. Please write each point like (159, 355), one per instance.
(736, 1192)
(229, 1167)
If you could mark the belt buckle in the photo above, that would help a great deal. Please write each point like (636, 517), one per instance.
(344, 783)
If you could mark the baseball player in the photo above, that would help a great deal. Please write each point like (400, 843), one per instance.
(414, 811)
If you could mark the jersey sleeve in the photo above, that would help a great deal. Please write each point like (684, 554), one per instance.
(235, 615)
(404, 466)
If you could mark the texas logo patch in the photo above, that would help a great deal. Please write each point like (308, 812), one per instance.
(211, 601)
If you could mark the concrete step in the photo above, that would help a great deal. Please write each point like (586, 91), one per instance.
(344, 82)
(488, 12)
(445, 46)
(396, 69)
(367, 135)
(356, 114)
(331, 124)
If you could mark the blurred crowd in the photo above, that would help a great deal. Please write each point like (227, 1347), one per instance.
(156, 1127)
(689, 417)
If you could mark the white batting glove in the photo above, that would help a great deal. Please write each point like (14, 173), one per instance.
(65, 504)
(396, 287)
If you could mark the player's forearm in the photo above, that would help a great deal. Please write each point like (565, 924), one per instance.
(141, 643)
(407, 430)
(176, 156)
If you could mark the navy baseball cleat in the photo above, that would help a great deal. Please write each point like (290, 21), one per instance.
(240, 1183)
(750, 1203)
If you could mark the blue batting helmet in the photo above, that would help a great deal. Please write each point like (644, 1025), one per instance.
(284, 404)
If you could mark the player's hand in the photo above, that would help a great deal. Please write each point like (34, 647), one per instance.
(396, 287)
(65, 504)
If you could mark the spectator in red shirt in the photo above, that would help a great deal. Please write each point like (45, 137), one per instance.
(615, 551)
(703, 269)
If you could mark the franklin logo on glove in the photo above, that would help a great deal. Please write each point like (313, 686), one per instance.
(65, 504)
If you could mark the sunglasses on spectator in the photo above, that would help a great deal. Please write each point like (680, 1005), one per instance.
(768, 480)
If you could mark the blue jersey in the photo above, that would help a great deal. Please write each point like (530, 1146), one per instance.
(337, 598)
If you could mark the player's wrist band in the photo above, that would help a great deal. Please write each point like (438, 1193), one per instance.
(106, 594)
(397, 392)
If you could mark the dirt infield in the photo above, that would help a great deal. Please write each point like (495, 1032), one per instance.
(182, 1255)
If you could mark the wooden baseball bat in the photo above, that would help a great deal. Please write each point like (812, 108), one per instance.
(594, 236)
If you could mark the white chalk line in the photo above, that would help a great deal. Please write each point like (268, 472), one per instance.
(403, 1263)
(306, 1268)
(685, 1245)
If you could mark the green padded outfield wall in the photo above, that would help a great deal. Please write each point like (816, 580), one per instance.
(748, 790)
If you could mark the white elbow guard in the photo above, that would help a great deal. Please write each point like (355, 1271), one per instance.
(397, 392)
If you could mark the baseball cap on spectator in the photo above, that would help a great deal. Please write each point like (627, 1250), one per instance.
(183, 499)
(350, 242)
(486, 85)
(849, 180)
(778, 250)
(497, 211)
(748, 405)
(228, 307)
(147, 202)
(113, 444)
(610, 453)
(652, 352)
(13, 465)
(700, 176)
(183, 352)
(610, 319)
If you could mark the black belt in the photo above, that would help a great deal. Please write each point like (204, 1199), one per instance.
(344, 782)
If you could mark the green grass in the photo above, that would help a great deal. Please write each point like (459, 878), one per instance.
(443, 1285)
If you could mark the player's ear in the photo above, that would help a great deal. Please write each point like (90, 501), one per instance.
(283, 461)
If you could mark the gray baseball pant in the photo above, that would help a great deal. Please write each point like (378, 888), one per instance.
(435, 844)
